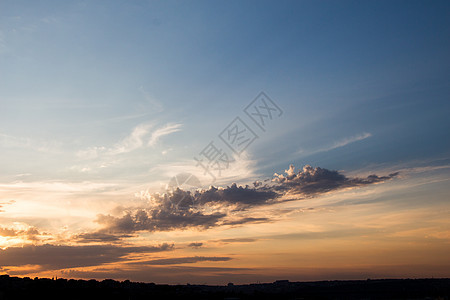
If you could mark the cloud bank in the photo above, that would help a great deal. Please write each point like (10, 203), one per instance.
(315, 181)
(52, 257)
(222, 206)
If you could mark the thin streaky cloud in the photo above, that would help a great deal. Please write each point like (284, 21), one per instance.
(133, 141)
(155, 104)
(50, 257)
(10, 141)
(124, 118)
(338, 144)
(349, 140)
(165, 130)
(182, 260)
(23, 175)
(243, 168)
(56, 186)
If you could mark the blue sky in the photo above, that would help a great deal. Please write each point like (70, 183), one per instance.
(100, 100)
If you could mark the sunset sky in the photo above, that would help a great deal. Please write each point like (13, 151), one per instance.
(225, 141)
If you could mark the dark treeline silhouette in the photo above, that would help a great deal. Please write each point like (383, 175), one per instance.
(44, 288)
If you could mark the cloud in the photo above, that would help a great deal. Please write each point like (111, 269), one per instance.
(349, 140)
(2, 204)
(337, 144)
(242, 169)
(95, 159)
(160, 132)
(158, 220)
(236, 240)
(195, 245)
(51, 257)
(181, 209)
(222, 206)
(172, 274)
(57, 186)
(155, 105)
(100, 237)
(8, 232)
(31, 233)
(133, 141)
(38, 145)
(90, 153)
(238, 195)
(246, 221)
(314, 181)
(182, 260)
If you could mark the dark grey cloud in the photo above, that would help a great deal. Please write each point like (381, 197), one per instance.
(222, 275)
(239, 195)
(246, 221)
(172, 274)
(158, 220)
(339, 233)
(31, 233)
(315, 181)
(236, 240)
(182, 260)
(51, 257)
(181, 209)
(195, 245)
(102, 237)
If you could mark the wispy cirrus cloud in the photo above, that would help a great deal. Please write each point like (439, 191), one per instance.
(155, 105)
(3, 203)
(56, 186)
(162, 131)
(349, 140)
(337, 144)
(140, 136)
(242, 168)
(133, 141)
(236, 240)
(10, 141)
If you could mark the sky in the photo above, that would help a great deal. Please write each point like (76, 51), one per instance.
(224, 141)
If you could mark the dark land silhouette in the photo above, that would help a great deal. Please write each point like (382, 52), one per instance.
(45, 288)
